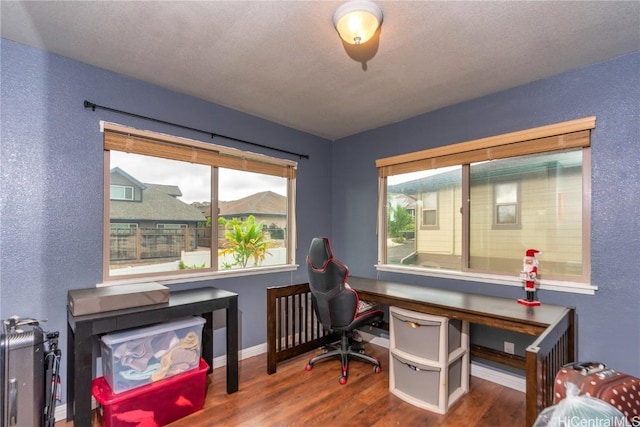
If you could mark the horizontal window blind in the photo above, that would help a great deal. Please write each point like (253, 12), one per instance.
(131, 140)
(559, 136)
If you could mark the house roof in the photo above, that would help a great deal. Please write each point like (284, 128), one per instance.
(171, 190)
(263, 203)
(124, 174)
(483, 170)
(404, 200)
(159, 203)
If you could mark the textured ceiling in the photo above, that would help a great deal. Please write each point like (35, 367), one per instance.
(283, 60)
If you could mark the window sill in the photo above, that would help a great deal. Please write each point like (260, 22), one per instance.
(547, 285)
(174, 279)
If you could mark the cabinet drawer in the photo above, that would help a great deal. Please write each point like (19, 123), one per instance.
(416, 333)
(434, 388)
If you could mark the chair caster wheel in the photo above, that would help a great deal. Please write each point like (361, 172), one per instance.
(377, 369)
(308, 367)
(343, 380)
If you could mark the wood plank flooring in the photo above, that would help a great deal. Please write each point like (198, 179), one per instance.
(295, 397)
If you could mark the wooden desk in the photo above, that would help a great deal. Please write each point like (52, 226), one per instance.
(83, 331)
(290, 333)
(497, 312)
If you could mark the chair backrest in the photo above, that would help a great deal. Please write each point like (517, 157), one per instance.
(335, 303)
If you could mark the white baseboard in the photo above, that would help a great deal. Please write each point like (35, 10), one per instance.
(486, 373)
(242, 354)
(61, 412)
(499, 377)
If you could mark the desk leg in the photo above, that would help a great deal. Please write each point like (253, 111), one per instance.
(79, 376)
(207, 340)
(232, 346)
(70, 372)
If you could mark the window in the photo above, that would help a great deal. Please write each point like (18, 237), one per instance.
(434, 243)
(121, 192)
(485, 202)
(191, 207)
(430, 209)
(506, 203)
(125, 225)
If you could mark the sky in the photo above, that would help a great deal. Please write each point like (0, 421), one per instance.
(194, 180)
(410, 176)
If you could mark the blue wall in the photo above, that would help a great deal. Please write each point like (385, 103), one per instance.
(52, 181)
(609, 321)
(52, 184)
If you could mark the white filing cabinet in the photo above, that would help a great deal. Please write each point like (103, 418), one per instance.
(428, 359)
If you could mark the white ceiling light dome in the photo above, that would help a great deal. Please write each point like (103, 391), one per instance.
(357, 20)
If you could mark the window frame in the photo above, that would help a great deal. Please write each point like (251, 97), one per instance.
(127, 139)
(572, 134)
(124, 188)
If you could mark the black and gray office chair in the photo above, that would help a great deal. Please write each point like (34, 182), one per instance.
(336, 305)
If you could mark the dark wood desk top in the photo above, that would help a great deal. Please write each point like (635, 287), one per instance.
(176, 298)
(181, 303)
(487, 310)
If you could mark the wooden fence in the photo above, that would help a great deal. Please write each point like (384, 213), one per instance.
(151, 243)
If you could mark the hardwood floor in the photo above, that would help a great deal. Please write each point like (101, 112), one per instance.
(295, 397)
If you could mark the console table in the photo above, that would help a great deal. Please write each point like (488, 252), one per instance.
(83, 332)
(292, 328)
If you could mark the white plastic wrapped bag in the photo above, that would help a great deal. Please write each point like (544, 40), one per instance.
(575, 410)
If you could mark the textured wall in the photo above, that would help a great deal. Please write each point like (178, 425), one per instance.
(51, 185)
(609, 321)
(52, 181)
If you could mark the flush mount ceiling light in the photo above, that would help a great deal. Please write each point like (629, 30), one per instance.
(357, 20)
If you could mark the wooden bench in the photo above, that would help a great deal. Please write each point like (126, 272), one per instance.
(293, 329)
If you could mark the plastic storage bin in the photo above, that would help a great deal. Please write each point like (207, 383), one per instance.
(434, 388)
(141, 356)
(429, 359)
(420, 383)
(158, 403)
(422, 334)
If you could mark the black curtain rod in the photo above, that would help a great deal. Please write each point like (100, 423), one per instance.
(93, 107)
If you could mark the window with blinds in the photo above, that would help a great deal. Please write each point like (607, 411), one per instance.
(175, 206)
(496, 198)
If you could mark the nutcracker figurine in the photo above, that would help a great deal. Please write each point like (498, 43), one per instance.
(529, 278)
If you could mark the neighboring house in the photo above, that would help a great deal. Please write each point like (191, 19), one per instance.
(148, 221)
(544, 192)
(407, 202)
(140, 205)
(267, 207)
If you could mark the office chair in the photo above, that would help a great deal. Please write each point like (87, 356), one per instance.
(336, 305)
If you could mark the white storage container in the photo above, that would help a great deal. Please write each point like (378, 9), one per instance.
(416, 383)
(429, 359)
(430, 387)
(141, 356)
(425, 335)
